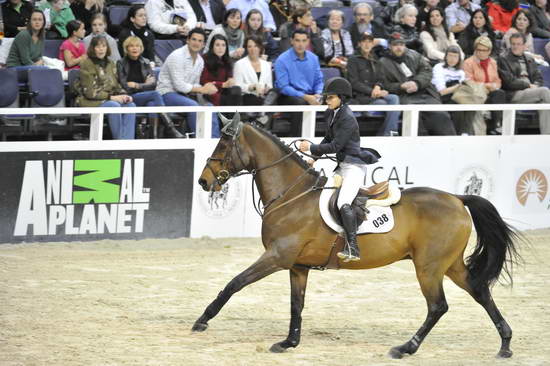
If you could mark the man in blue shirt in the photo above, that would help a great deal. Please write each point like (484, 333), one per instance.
(246, 5)
(298, 77)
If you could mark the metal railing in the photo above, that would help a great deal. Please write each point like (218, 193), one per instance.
(410, 116)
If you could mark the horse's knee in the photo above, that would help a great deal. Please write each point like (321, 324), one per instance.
(439, 308)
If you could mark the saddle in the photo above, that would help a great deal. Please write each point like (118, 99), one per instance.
(379, 191)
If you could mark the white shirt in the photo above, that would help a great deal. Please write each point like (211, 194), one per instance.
(179, 73)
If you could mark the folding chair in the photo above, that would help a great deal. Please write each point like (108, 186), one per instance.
(47, 89)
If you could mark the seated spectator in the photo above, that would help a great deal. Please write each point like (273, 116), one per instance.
(209, 13)
(99, 87)
(135, 25)
(298, 77)
(363, 15)
(16, 15)
(180, 76)
(386, 19)
(423, 10)
(405, 19)
(84, 10)
(447, 78)
(337, 41)
(170, 18)
(458, 15)
(72, 51)
(436, 38)
(480, 25)
(28, 45)
(231, 30)
(302, 19)
(254, 26)
(252, 73)
(99, 25)
(58, 15)
(482, 68)
(539, 10)
(367, 83)
(501, 13)
(218, 70)
(137, 77)
(523, 22)
(245, 6)
(522, 80)
(408, 75)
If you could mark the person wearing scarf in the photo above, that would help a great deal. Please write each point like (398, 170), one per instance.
(136, 25)
(231, 30)
(482, 68)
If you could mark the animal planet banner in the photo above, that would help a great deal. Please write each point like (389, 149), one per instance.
(92, 195)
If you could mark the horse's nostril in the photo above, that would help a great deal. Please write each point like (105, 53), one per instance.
(202, 182)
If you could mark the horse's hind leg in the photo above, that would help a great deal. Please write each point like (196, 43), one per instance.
(298, 282)
(459, 275)
(263, 267)
(432, 287)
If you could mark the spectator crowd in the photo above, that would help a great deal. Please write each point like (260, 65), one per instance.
(261, 52)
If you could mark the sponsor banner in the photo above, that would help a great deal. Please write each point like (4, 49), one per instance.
(91, 195)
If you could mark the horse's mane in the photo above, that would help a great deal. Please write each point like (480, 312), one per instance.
(284, 147)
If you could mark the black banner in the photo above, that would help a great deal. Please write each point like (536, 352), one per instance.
(94, 195)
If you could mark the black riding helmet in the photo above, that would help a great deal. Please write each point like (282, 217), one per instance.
(338, 86)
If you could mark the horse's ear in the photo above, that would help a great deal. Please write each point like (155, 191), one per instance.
(236, 119)
(224, 120)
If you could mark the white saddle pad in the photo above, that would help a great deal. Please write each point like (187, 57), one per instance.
(379, 219)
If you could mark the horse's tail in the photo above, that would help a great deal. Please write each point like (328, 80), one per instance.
(496, 247)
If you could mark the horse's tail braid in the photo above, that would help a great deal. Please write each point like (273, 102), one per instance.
(496, 247)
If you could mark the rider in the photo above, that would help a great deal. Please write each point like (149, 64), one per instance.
(342, 139)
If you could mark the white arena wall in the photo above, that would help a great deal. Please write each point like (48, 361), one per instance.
(511, 171)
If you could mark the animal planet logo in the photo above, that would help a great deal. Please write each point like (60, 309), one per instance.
(475, 180)
(106, 192)
(531, 182)
(219, 204)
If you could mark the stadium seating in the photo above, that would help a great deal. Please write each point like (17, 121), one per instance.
(164, 47)
(9, 98)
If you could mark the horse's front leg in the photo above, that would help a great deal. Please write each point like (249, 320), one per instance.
(263, 267)
(298, 282)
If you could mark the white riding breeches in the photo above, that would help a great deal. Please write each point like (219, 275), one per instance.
(353, 179)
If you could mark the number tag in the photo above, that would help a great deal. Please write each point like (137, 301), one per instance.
(380, 220)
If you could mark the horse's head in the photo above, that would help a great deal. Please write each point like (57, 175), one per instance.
(229, 156)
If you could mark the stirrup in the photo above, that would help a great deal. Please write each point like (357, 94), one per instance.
(346, 256)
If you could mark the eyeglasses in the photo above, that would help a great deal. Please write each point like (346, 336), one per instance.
(362, 14)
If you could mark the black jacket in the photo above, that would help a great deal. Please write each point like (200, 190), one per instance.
(422, 75)
(363, 75)
(341, 138)
(13, 19)
(541, 28)
(216, 7)
(411, 36)
(285, 32)
(509, 71)
(123, 69)
(145, 34)
(466, 40)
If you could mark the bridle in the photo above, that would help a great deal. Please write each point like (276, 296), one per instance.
(230, 170)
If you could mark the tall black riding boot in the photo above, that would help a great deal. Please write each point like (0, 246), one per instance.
(349, 222)
(169, 128)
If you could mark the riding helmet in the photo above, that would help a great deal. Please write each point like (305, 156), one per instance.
(337, 85)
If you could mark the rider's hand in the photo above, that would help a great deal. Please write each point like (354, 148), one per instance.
(304, 146)
(310, 162)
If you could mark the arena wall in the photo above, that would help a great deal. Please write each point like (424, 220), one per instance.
(49, 191)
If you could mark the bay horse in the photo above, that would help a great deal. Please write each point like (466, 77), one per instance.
(432, 229)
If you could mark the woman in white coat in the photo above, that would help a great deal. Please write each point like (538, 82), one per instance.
(252, 73)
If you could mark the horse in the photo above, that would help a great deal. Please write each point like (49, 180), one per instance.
(432, 228)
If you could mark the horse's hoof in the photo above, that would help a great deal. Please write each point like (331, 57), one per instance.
(505, 353)
(278, 348)
(395, 353)
(199, 327)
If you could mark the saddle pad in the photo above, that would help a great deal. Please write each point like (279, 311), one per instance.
(379, 219)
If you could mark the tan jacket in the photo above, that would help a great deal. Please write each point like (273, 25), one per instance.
(475, 72)
(97, 84)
